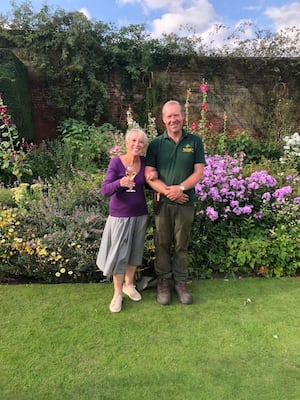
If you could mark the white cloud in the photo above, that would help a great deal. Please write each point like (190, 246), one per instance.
(86, 12)
(198, 14)
(285, 16)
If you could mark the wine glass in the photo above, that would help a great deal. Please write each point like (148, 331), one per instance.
(130, 173)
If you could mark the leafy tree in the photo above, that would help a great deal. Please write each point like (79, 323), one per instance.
(77, 55)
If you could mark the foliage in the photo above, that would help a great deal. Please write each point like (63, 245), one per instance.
(265, 43)
(14, 85)
(52, 41)
(13, 163)
(90, 143)
(55, 234)
(77, 81)
(235, 211)
(246, 221)
(80, 146)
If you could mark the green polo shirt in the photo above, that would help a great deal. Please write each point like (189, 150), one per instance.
(175, 162)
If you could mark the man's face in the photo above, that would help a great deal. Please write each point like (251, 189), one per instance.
(173, 118)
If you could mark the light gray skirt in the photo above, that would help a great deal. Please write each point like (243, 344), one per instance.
(122, 243)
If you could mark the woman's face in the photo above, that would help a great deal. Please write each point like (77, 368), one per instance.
(135, 144)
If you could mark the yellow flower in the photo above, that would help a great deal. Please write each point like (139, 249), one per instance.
(57, 274)
(62, 270)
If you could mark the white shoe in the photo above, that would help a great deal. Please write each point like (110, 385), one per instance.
(132, 293)
(116, 304)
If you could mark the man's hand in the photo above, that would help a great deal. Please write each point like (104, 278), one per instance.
(175, 194)
(183, 198)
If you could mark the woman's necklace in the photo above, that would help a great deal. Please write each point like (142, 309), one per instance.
(136, 163)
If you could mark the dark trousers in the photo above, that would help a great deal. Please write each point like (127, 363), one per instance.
(172, 235)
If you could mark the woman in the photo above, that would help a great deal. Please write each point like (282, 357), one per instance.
(122, 245)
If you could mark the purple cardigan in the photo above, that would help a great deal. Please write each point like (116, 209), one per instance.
(122, 203)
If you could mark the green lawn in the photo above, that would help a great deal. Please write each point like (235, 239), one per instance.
(60, 342)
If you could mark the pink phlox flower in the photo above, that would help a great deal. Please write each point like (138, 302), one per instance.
(236, 170)
(296, 200)
(247, 209)
(280, 193)
(204, 106)
(262, 178)
(228, 194)
(234, 203)
(237, 211)
(243, 210)
(258, 215)
(214, 194)
(253, 186)
(236, 183)
(212, 214)
(240, 194)
(266, 197)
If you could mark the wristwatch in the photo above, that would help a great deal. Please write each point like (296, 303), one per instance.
(182, 188)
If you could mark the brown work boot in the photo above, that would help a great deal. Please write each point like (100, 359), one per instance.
(163, 292)
(184, 295)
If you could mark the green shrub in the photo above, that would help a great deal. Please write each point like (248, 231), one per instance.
(55, 233)
(6, 197)
(80, 147)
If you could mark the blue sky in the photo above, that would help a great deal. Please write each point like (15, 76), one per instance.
(166, 16)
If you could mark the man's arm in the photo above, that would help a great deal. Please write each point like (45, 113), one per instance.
(155, 183)
(160, 187)
(195, 178)
(174, 192)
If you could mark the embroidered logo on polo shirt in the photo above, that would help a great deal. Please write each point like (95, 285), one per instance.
(187, 149)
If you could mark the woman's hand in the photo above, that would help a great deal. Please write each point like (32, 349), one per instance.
(127, 182)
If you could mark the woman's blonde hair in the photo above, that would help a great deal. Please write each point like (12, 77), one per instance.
(139, 131)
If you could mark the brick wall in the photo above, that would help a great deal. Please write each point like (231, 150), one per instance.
(250, 91)
(255, 93)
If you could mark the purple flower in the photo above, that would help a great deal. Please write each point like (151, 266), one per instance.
(212, 214)
(234, 203)
(258, 215)
(214, 194)
(225, 193)
(262, 178)
(253, 186)
(280, 193)
(237, 211)
(266, 197)
(247, 209)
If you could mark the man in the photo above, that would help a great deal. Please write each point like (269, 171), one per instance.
(178, 157)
